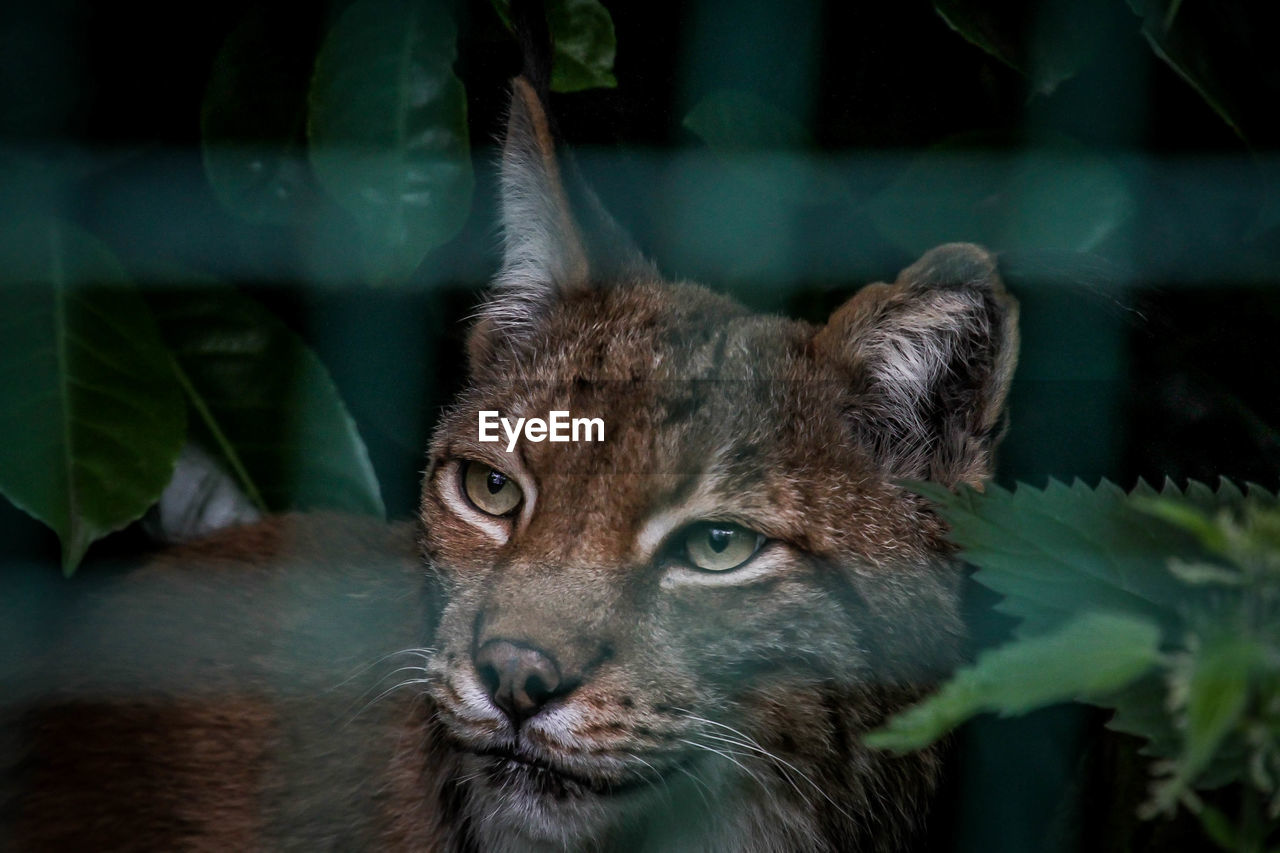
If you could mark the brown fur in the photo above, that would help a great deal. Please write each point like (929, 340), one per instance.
(204, 699)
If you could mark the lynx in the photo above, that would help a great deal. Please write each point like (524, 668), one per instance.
(670, 639)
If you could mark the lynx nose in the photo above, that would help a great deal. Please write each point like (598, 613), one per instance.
(520, 679)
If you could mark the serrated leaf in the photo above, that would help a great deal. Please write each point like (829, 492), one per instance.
(1055, 552)
(1140, 711)
(253, 119)
(583, 42)
(1089, 657)
(264, 405)
(91, 417)
(388, 130)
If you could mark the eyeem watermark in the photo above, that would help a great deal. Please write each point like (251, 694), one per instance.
(558, 426)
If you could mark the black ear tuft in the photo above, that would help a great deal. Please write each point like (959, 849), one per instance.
(532, 31)
(929, 359)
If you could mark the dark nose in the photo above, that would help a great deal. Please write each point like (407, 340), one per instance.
(520, 678)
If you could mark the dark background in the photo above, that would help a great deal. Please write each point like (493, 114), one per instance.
(1151, 356)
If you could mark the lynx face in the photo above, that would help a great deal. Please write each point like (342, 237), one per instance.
(689, 623)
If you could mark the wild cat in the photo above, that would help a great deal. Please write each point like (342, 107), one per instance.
(670, 639)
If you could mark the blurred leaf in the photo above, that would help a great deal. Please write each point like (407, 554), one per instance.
(1141, 711)
(986, 28)
(584, 43)
(1197, 573)
(1218, 827)
(91, 417)
(388, 130)
(41, 183)
(764, 182)
(1052, 198)
(727, 120)
(264, 405)
(253, 118)
(1217, 692)
(1047, 49)
(1223, 51)
(1186, 516)
(1092, 655)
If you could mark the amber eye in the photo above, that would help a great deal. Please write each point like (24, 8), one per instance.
(717, 546)
(490, 490)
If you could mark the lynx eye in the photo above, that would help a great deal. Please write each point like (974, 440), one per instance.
(490, 490)
(718, 546)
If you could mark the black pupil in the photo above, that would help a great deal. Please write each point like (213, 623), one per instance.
(495, 482)
(718, 538)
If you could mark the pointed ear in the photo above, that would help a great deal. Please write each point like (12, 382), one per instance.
(543, 253)
(930, 358)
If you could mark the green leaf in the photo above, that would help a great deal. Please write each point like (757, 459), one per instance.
(1047, 49)
(1058, 198)
(1089, 657)
(1141, 711)
(91, 417)
(264, 405)
(757, 145)
(585, 45)
(1220, 829)
(1204, 574)
(728, 120)
(1215, 682)
(253, 119)
(388, 130)
(583, 40)
(1218, 51)
(1056, 552)
(1219, 691)
(1186, 514)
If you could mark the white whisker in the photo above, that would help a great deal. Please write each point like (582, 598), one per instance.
(425, 654)
(728, 757)
(748, 742)
(375, 700)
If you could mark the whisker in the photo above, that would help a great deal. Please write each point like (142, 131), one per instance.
(749, 742)
(363, 668)
(382, 678)
(656, 774)
(699, 786)
(375, 700)
(728, 757)
(779, 762)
